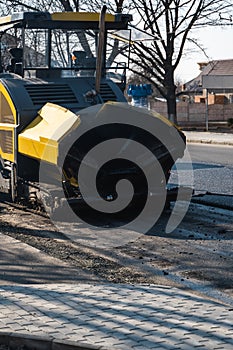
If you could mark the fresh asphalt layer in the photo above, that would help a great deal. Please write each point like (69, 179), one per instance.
(221, 201)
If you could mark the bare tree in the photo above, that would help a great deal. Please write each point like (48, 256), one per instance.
(8, 6)
(168, 25)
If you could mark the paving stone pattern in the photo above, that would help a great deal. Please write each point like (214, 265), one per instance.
(117, 316)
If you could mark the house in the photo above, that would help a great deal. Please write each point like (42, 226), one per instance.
(214, 82)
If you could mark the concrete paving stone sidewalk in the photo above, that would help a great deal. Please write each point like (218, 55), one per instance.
(209, 137)
(117, 316)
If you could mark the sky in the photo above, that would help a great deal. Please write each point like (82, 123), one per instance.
(218, 43)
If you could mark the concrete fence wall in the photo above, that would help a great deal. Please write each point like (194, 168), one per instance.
(196, 112)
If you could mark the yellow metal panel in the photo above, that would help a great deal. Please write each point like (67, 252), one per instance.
(7, 107)
(5, 20)
(40, 150)
(9, 101)
(41, 138)
(7, 156)
(80, 16)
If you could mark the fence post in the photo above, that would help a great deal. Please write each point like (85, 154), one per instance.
(207, 112)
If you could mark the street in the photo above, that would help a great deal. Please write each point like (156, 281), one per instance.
(212, 168)
(211, 154)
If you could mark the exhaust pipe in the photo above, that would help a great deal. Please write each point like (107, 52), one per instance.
(100, 51)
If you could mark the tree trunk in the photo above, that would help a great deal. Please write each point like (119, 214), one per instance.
(171, 103)
(170, 91)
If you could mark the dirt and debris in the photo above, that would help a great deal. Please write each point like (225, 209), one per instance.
(198, 251)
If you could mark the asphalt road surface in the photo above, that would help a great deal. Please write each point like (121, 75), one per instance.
(209, 168)
(211, 154)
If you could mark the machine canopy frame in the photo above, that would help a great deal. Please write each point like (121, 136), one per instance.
(67, 23)
(63, 20)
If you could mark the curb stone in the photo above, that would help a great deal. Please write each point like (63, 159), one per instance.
(210, 138)
(211, 142)
(33, 342)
